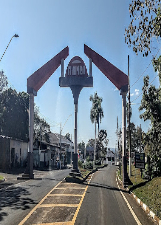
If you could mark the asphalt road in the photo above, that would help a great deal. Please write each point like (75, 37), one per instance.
(17, 200)
(104, 205)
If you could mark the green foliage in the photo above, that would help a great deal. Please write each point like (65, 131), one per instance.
(3, 81)
(145, 24)
(14, 116)
(96, 113)
(67, 136)
(81, 147)
(136, 136)
(88, 165)
(41, 127)
(80, 164)
(101, 144)
(151, 104)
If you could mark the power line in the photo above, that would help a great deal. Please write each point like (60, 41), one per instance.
(146, 88)
(145, 69)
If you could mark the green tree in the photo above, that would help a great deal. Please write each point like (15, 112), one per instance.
(41, 127)
(3, 82)
(136, 138)
(14, 114)
(67, 136)
(81, 146)
(101, 145)
(96, 113)
(151, 105)
(144, 26)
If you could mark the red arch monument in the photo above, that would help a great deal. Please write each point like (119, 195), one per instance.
(38, 78)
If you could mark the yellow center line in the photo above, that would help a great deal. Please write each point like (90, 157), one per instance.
(57, 223)
(66, 195)
(60, 205)
(26, 218)
(76, 213)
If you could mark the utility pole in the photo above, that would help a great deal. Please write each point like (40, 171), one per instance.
(140, 138)
(71, 149)
(60, 148)
(129, 121)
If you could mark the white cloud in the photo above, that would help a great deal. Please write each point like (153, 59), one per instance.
(136, 91)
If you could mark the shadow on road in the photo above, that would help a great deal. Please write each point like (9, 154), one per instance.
(106, 187)
(14, 198)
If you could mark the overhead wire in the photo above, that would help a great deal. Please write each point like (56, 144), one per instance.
(145, 69)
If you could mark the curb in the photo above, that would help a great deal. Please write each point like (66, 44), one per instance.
(143, 205)
(78, 180)
(2, 180)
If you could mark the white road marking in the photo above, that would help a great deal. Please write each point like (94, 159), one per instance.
(131, 210)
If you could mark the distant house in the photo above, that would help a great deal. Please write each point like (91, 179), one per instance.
(13, 153)
(47, 154)
(110, 156)
(90, 152)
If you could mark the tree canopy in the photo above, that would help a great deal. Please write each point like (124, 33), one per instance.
(145, 25)
(96, 113)
(151, 107)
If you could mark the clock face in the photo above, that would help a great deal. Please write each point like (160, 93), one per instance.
(76, 67)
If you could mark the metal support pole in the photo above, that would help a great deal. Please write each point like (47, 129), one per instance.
(75, 156)
(62, 67)
(94, 147)
(124, 162)
(60, 149)
(129, 122)
(31, 128)
(90, 67)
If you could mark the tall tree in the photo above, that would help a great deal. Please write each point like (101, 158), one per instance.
(144, 26)
(151, 104)
(96, 113)
(3, 82)
(14, 114)
(67, 136)
(41, 127)
(81, 146)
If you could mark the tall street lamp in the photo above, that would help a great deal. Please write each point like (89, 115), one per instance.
(16, 35)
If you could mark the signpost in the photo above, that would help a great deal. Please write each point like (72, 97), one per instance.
(140, 160)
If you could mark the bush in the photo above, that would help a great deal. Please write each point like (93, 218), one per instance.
(88, 165)
(80, 164)
(98, 162)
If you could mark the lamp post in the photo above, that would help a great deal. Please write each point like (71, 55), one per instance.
(16, 35)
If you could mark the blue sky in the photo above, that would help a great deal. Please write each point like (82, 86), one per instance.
(44, 29)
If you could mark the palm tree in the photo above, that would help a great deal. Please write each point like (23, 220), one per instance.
(96, 113)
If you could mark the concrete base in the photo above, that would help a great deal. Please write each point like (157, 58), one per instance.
(126, 180)
(28, 174)
(75, 162)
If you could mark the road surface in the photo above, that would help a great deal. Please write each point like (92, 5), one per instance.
(104, 205)
(17, 200)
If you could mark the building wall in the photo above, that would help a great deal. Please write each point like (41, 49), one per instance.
(4, 153)
(18, 152)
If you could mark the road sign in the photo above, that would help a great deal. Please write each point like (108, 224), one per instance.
(140, 160)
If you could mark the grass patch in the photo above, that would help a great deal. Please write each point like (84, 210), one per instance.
(135, 175)
(84, 172)
(1, 178)
(150, 194)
